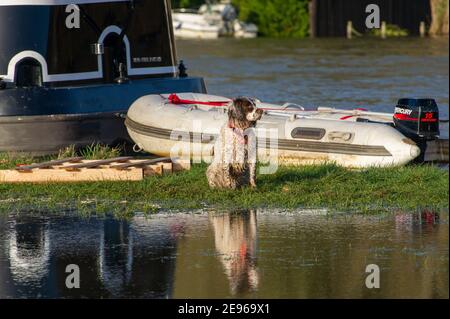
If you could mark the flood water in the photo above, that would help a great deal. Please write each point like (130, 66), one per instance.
(365, 72)
(249, 254)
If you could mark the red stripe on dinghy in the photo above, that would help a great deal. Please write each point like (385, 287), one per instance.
(350, 116)
(346, 117)
(174, 99)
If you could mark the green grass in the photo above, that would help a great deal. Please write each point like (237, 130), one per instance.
(326, 186)
(93, 151)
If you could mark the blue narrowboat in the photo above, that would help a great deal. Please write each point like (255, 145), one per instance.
(70, 69)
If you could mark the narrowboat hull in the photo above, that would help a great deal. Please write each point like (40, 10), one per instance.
(46, 134)
(44, 120)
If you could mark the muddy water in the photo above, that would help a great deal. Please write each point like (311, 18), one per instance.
(368, 73)
(251, 254)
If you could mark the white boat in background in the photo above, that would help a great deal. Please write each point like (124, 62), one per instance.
(350, 138)
(211, 21)
(189, 24)
(245, 30)
(225, 15)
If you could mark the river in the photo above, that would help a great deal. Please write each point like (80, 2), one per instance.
(362, 72)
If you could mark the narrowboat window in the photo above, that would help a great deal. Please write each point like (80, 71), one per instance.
(69, 50)
(145, 26)
(28, 73)
(310, 133)
(148, 33)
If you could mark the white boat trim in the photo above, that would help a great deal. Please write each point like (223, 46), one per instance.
(283, 144)
(66, 77)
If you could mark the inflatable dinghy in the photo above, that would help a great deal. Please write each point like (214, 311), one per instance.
(163, 124)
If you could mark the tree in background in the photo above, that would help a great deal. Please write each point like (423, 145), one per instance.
(439, 12)
(276, 18)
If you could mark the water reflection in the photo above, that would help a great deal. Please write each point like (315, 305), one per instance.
(412, 223)
(235, 238)
(34, 253)
(225, 254)
(115, 255)
(28, 250)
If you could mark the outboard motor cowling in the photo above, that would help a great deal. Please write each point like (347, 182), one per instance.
(418, 119)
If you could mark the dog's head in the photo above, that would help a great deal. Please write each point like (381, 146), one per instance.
(243, 113)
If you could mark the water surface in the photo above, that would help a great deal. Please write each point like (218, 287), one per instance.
(242, 254)
(366, 72)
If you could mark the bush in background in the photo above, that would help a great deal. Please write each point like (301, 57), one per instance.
(187, 3)
(276, 18)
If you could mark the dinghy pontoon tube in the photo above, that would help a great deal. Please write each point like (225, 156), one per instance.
(302, 137)
(63, 85)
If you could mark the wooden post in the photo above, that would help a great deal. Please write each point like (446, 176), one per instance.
(383, 29)
(349, 29)
(422, 29)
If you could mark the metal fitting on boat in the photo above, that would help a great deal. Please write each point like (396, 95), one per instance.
(121, 115)
(293, 106)
(137, 148)
(97, 48)
(122, 77)
(182, 70)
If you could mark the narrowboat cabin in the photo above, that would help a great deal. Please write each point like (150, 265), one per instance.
(70, 69)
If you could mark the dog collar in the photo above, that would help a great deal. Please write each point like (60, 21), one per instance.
(243, 139)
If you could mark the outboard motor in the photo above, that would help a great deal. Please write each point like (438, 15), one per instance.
(418, 119)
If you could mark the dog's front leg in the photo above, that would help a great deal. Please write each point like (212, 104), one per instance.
(252, 150)
(252, 167)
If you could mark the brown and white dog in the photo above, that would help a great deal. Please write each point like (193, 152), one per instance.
(234, 162)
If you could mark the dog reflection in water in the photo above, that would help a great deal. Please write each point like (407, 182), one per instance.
(235, 237)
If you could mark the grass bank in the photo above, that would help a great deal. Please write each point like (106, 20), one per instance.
(326, 186)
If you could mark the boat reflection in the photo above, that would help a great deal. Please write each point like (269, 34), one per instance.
(28, 250)
(117, 258)
(115, 255)
(423, 220)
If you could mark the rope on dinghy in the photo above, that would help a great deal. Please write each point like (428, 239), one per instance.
(175, 99)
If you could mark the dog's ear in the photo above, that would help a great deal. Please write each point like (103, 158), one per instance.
(235, 111)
